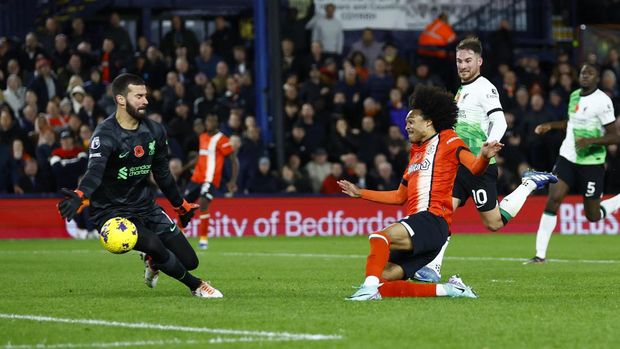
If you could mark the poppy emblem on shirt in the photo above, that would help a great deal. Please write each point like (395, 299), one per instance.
(138, 151)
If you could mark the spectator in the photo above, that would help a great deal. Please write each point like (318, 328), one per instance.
(231, 98)
(424, 76)
(29, 115)
(221, 75)
(240, 65)
(380, 82)
(78, 34)
(542, 149)
(155, 68)
(45, 85)
(50, 32)
(207, 103)
(386, 180)
(182, 124)
(207, 60)
(9, 128)
(290, 62)
(84, 136)
(297, 143)
(293, 182)
(398, 110)
(94, 86)
(330, 183)
(73, 67)
(315, 128)
(342, 140)
(315, 58)
(251, 150)
(176, 170)
(318, 168)
(367, 46)
(31, 52)
(30, 181)
(359, 63)
(264, 182)
(313, 90)
(328, 31)
(223, 39)
(373, 109)
(372, 143)
(397, 156)
(119, 36)
(508, 90)
(433, 46)
(60, 54)
(15, 94)
(361, 179)
(184, 72)
(179, 36)
(7, 169)
(111, 61)
(68, 162)
(396, 65)
(613, 61)
(234, 124)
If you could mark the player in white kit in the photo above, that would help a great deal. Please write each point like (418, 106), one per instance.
(591, 126)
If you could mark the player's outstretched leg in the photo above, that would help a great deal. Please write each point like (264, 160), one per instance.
(375, 263)
(400, 288)
(510, 206)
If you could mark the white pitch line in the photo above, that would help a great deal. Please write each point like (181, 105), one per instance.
(162, 327)
(101, 344)
(454, 258)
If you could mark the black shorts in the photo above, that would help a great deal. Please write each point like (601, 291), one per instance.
(428, 234)
(587, 179)
(482, 189)
(155, 221)
(195, 190)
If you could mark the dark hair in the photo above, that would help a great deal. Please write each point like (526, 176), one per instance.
(120, 85)
(436, 105)
(593, 66)
(470, 43)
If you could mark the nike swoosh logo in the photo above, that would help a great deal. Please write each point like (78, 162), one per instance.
(120, 156)
(172, 227)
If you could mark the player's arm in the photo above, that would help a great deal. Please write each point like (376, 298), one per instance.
(165, 181)
(611, 137)
(491, 105)
(478, 164)
(551, 125)
(101, 146)
(392, 197)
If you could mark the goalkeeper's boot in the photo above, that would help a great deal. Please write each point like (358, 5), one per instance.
(539, 178)
(366, 293)
(535, 260)
(207, 291)
(203, 244)
(151, 274)
(427, 274)
(456, 288)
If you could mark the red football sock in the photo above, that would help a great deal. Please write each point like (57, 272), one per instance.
(379, 254)
(401, 288)
(203, 229)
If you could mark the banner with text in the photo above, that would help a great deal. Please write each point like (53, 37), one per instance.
(397, 14)
(293, 217)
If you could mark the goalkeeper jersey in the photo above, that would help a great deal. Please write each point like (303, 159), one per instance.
(119, 164)
(476, 100)
(587, 118)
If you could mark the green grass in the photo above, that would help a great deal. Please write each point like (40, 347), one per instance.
(277, 285)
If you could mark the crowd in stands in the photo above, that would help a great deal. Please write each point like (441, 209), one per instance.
(344, 107)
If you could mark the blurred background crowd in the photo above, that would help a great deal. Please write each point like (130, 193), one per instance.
(343, 108)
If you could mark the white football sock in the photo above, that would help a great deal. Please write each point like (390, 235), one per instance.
(371, 281)
(612, 204)
(545, 229)
(440, 290)
(435, 264)
(512, 203)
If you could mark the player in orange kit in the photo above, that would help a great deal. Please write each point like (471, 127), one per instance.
(214, 147)
(399, 250)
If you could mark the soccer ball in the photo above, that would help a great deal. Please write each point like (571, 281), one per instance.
(118, 235)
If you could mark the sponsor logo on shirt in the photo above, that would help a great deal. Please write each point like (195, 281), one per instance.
(94, 155)
(419, 166)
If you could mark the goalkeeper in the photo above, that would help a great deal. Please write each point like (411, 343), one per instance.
(125, 148)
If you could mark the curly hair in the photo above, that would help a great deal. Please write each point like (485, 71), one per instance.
(436, 105)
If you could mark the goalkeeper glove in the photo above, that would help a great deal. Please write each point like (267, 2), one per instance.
(73, 203)
(185, 212)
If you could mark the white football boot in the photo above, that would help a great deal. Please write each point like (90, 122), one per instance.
(207, 291)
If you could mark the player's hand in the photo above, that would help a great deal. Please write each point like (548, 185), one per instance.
(542, 129)
(72, 204)
(582, 143)
(490, 149)
(185, 212)
(349, 188)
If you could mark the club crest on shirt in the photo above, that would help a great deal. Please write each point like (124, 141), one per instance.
(138, 151)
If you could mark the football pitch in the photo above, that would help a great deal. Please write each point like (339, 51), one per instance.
(289, 293)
